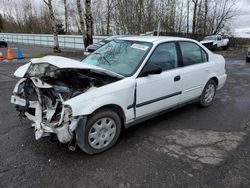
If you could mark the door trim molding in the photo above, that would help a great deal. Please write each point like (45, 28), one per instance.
(191, 89)
(158, 99)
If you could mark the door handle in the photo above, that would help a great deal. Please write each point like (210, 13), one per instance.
(177, 78)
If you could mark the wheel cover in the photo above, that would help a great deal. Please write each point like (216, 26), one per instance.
(209, 93)
(102, 133)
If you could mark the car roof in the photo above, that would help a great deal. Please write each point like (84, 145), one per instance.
(155, 39)
(116, 36)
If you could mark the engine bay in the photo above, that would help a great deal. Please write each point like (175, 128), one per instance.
(43, 90)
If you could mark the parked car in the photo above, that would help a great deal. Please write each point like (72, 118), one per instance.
(122, 83)
(93, 47)
(214, 42)
(248, 55)
(3, 43)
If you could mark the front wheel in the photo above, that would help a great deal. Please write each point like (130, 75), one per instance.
(208, 94)
(101, 132)
(225, 47)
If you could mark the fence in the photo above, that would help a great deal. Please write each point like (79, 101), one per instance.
(76, 41)
(198, 37)
(65, 41)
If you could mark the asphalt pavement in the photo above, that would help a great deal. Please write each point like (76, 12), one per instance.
(189, 147)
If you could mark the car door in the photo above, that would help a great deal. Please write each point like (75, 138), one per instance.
(160, 91)
(195, 70)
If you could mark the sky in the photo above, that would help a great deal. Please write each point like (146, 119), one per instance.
(241, 23)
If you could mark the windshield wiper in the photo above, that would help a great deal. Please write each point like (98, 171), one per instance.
(97, 53)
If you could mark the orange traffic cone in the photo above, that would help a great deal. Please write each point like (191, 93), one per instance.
(1, 56)
(10, 54)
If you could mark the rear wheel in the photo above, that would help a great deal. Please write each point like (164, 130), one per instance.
(207, 96)
(101, 132)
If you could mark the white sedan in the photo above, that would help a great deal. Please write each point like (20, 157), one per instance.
(126, 81)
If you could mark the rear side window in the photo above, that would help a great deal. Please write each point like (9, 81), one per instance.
(192, 53)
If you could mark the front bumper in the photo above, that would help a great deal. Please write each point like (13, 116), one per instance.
(64, 128)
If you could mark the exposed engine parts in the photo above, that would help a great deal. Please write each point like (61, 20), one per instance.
(39, 96)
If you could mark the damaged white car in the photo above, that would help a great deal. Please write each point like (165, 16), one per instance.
(126, 81)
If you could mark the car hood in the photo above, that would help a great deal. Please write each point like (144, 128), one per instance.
(63, 63)
(206, 41)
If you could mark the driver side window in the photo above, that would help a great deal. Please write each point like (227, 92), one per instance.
(164, 56)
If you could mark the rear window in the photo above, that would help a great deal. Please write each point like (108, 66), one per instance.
(192, 53)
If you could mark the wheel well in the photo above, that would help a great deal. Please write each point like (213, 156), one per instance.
(116, 109)
(216, 80)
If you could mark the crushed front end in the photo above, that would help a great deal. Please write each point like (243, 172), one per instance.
(44, 106)
(41, 93)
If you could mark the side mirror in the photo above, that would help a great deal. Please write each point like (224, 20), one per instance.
(149, 70)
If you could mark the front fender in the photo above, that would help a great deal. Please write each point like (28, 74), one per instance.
(119, 93)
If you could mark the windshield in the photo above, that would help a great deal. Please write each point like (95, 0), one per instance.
(120, 56)
(210, 38)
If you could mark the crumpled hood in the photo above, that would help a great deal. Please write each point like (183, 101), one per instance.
(63, 63)
(206, 41)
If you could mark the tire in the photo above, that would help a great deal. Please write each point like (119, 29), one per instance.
(248, 59)
(225, 47)
(101, 132)
(208, 94)
(215, 48)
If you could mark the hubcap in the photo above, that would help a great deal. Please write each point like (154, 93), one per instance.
(102, 133)
(209, 93)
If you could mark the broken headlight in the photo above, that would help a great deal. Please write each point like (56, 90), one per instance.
(41, 69)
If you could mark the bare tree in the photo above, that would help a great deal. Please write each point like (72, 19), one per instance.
(53, 20)
(119, 16)
(66, 16)
(188, 4)
(1, 23)
(108, 16)
(205, 17)
(89, 24)
(225, 13)
(110, 5)
(80, 14)
(194, 15)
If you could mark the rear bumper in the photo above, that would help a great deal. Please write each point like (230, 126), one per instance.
(222, 80)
